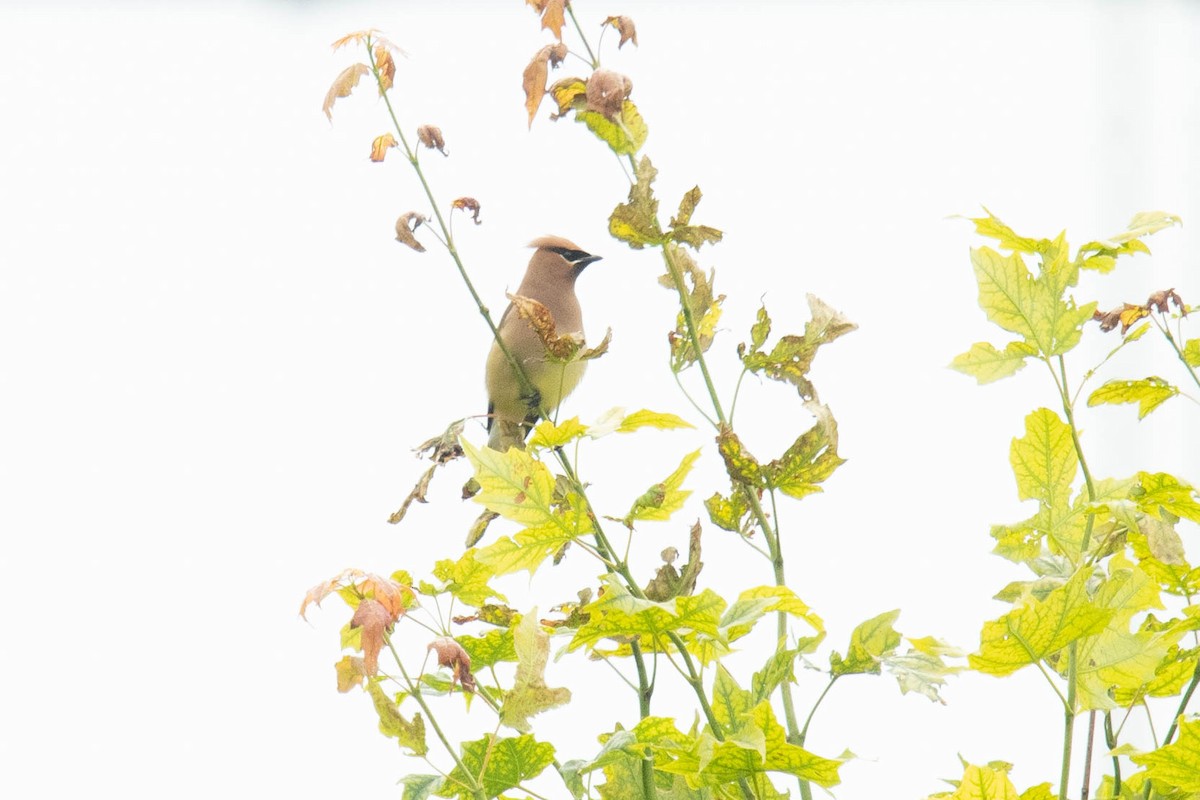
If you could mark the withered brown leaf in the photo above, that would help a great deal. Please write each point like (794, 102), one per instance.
(626, 27)
(569, 94)
(1124, 315)
(380, 145)
(562, 346)
(431, 137)
(537, 72)
(394, 597)
(405, 225)
(386, 67)
(552, 13)
(1161, 299)
(375, 622)
(323, 589)
(358, 37)
(342, 86)
(606, 92)
(468, 204)
(451, 654)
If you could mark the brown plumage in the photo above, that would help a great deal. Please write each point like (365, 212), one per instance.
(549, 279)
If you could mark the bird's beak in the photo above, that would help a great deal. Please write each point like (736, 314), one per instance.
(583, 262)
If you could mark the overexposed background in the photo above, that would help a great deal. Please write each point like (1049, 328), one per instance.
(216, 360)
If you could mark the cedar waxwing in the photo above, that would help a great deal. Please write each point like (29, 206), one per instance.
(550, 279)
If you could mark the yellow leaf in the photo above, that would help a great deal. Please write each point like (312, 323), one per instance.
(380, 145)
(342, 86)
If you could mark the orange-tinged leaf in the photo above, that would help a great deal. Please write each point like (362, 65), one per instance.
(322, 590)
(405, 225)
(342, 86)
(375, 621)
(380, 145)
(607, 91)
(451, 654)
(431, 137)
(386, 67)
(468, 204)
(358, 37)
(393, 596)
(626, 27)
(537, 72)
(551, 12)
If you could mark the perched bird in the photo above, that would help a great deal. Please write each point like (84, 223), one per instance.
(550, 279)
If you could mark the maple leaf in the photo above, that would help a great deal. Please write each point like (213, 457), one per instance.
(551, 12)
(537, 72)
(1159, 301)
(431, 137)
(404, 233)
(569, 94)
(358, 37)
(385, 66)
(325, 588)
(1124, 315)
(561, 346)
(380, 145)
(376, 622)
(451, 654)
(607, 91)
(342, 86)
(626, 27)
(393, 596)
(468, 204)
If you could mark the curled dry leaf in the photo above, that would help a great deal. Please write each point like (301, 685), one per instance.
(552, 15)
(358, 37)
(431, 137)
(405, 225)
(607, 91)
(1161, 299)
(342, 86)
(570, 94)
(393, 596)
(325, 588)
(451, 654)
(560, 346)
(375, 622)
(380, 145)
(386, 67)
(626, 28)
(537, 72)
(1124, 315)
(468, 204)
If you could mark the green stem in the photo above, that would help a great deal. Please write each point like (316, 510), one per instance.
(1087, 757)
(1110, 740)
(582, 38)
(414, 691)
(645, 691)
(1183, 703)
(1166, 331)
(1068, 721)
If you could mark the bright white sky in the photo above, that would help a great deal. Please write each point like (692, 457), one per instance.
(217, 360)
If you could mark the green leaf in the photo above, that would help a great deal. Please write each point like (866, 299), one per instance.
(986, 364)
(1039, 628)
(530, 695)
(652, 419)
(778, 669)
(991, 227)
(810, 460)
(1162, 492)
(782, 598)
(792, 356)
(665, 498)
(1191, 352)
(727, 513)
(548, 435)
(1044, 460)
(498, 764)
(410, 735)
(923, 669)
(467, 579)
(1176, 764)
(870, 642)
(421, 787)
(1032, 309)
(636, 221)
(1148, 393)
(760, 330)
(730, 702)
(514, 484)
(489, 649)
(1145, 223)
(984, 783)
(625, 134)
